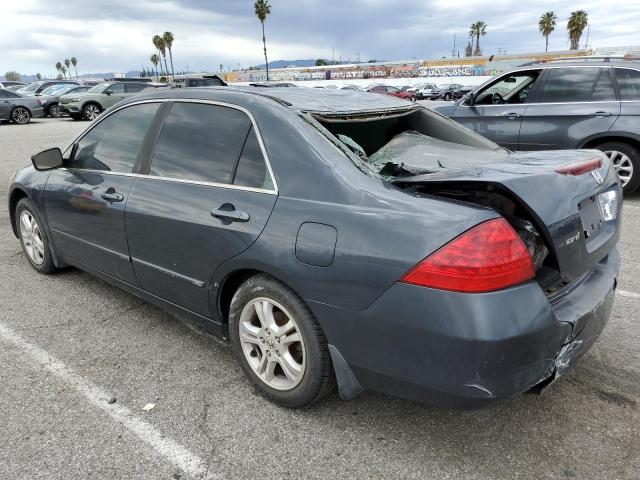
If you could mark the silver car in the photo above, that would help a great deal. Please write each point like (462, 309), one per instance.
(17, 108)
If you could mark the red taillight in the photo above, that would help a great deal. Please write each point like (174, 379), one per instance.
(488, 257)
(579, 168)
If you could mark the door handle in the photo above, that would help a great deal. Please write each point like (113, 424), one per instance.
(112, 196)
(601, 114)
(228, 212)
(512, 115)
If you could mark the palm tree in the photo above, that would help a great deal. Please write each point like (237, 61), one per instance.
(478, 29)
(578, 21)
(74, 62)
(63, 69)
(158, 42)
(163, 51)
(67, 62)
(154, 61)
(547, 24)
(58, 66)
(168, 42)
(262, 9)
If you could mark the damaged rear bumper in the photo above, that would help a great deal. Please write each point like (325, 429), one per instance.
(467, 350)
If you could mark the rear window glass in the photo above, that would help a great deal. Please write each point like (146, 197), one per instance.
(569, 85)
(628, 83)
(252, 168)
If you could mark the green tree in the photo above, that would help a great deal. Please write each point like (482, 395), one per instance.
(154, 61)
(263, 9)
(67, 62)
(468, 52)
(478, 29)
(578, 21)
(547, 24)
(74, 62)
(12, 76)
(320, 62)
(63, 70)
(158, 42)
(167, 37)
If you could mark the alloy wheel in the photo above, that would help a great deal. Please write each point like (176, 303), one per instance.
(623, 165)
(272, 343)
(21, 115)
(31, 237)
(53, 111)
(92, 112)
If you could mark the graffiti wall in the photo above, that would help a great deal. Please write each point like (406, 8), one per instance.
(458, 67)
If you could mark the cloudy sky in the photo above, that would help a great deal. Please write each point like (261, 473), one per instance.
(115, 35)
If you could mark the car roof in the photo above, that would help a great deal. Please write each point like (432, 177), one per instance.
(577, 63)
(316, 100)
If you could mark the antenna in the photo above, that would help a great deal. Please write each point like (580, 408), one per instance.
(453, 52)
(586, 44)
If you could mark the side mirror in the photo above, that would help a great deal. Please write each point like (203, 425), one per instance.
(468, 99)
(48, 159)
(108, 92)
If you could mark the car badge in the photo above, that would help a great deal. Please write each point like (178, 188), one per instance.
(597, 177)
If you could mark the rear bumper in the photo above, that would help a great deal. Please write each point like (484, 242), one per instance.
(467, 350)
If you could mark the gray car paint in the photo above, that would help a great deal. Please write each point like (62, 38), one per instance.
(430, 345)
(13, 100)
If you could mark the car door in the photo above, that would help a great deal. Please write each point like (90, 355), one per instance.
(5, 105)
(573, 104)
(112, 95)
(84, 202)
(498, 108)
(207, 197)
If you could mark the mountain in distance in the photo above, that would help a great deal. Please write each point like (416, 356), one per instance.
(33, 78)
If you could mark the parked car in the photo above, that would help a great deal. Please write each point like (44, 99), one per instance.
(17, 108)
(446, 92)
(50, 97)
(351, 87)
(14, 88)
(90, 104)
(12, 83)
(201, 81)
(336, 236)
(561, 106)
(273, 84)
(392, 91)
(37, 87)
(423, 90)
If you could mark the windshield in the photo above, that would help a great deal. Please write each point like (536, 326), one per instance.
(32, 87)
(98, 88)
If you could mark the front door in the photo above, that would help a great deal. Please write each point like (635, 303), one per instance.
(207, 197)
(85, 201)
(498, 109)
(574, 103)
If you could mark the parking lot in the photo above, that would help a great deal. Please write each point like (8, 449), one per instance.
(71, 344)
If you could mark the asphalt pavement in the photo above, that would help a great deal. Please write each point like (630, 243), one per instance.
(80, 359)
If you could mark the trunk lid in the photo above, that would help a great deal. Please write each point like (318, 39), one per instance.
(564, 208)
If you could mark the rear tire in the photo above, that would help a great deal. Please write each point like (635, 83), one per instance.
(33, 238)
(279, 343)
(626, 160)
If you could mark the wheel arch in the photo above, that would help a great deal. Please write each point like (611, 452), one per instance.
(16, 195)
(624, 137)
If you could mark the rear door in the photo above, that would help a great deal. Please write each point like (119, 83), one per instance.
(499, 107)
(574, 103)
(207, 197)
(84, 202)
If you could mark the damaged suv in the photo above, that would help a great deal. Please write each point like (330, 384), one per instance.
(337, 237)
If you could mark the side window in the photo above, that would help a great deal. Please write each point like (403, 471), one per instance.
(628, 83)
(252, 169)
(569, 85)
(603, 90)
(512, 88)
(134, 87)
(3, 94)
(200, 142)
(116, 88)
(113, 144)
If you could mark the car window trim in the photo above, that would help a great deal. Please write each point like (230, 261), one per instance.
(172, 100)
(617, 85)
(545, 80)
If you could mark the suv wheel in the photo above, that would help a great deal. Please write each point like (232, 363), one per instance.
(20, 115)
(626, 161)
(91, 111)
(279, 343)
(54, 111)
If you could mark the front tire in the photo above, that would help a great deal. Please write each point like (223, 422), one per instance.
(20, 115)
(626, 160)
(447, 97)
(54, 111)
(279, 343)
(91, 111)
(33, 238)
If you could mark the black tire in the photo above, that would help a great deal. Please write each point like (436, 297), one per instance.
(46, 266)
(318, 378)
(89, 109)
(634, 156)
(447, 97)
(20, 115)
(54, 111)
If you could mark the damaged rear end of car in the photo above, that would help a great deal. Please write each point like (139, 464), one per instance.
(508, 305)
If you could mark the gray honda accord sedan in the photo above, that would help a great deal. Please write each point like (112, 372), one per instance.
(337, 237)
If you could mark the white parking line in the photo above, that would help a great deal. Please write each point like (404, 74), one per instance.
(172, 451)
(624, 293)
